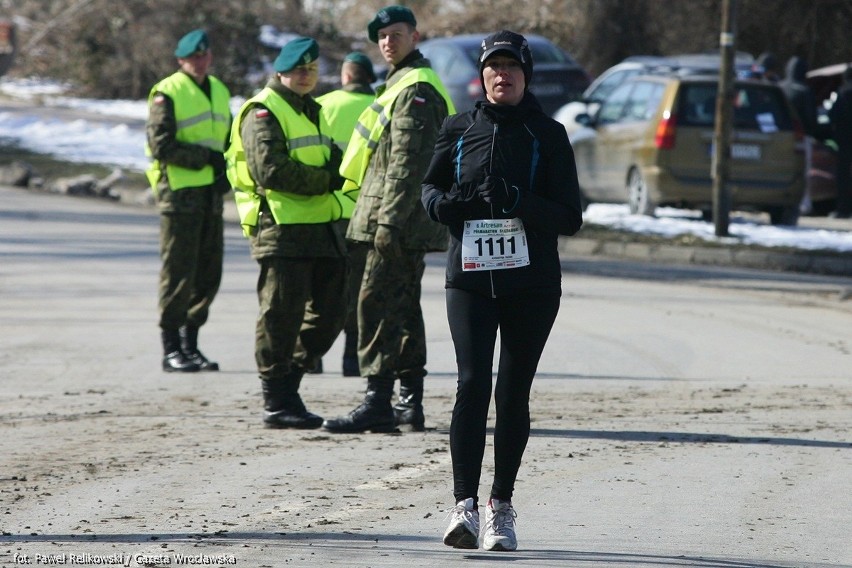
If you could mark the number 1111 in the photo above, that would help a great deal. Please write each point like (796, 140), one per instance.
(499, 243)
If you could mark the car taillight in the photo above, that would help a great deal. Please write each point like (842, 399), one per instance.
(474, 89)
(664, 138)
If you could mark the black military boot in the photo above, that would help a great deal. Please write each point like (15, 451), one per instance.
(408, 411)
(174, 359)
(350, 355)
(374, 414)
(282, 405)
(189, 346)
(316, 369)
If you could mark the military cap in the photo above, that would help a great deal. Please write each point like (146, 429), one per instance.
(387, 16)
(194, 41)
(362, 60)
(296, 52)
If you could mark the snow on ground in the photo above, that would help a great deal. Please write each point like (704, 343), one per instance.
(123, 144)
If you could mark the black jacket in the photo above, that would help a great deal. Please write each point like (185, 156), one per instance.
(840, 114)
(530, 151)
(795, 86)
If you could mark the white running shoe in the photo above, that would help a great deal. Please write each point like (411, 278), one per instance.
(463, 531)
(499, 533)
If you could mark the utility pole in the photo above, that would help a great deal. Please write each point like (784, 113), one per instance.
(724, 119)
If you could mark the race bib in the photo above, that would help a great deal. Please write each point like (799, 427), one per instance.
(494, 244)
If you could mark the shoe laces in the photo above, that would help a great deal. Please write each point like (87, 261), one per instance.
(460, 513)
(502, 519)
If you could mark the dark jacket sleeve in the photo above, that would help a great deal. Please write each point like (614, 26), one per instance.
(438, 178)
(442, 198)
(555, 207)
(161, 130)
(269, 160)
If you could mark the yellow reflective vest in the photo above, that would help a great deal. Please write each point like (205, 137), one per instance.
(200, 120)
(372, 122)
(341, 109)
(306, 144)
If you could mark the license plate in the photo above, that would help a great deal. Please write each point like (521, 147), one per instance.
(745, 151)
(547, 89)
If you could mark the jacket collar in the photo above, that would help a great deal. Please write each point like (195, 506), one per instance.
(413, 60)
(303, 104)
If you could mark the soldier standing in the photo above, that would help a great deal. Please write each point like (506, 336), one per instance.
(187, 131)
(386, 158)
(283, 166)
(341, 109)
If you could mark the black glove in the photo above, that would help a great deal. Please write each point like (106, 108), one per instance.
(335, 181)
(496, 191)
(453, 206)
(217, 160)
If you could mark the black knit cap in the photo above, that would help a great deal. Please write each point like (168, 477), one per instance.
(512, 44)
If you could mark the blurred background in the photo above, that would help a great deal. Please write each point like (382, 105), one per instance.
(108, 49)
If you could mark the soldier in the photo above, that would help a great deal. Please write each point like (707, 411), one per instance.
(284, 169)
(386, 158)
(341, 109)
(187, 130)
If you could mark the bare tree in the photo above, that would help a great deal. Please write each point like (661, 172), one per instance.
(119, 49)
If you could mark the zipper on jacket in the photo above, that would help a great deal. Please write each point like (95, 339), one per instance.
(490, 169)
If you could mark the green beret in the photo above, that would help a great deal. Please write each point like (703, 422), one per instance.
(387, 16)
(196, 40)
(363, 61)
(299, 51)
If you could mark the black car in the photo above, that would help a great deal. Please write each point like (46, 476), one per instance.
(557, 77)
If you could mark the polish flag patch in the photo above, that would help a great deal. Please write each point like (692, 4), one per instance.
(419, 101)
(261, 113)
(159, 99)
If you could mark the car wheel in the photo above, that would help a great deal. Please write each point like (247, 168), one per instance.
(637, 194)
(784, 216)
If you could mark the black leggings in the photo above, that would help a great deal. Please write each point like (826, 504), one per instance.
(524, 322)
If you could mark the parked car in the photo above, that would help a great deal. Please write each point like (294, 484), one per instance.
(650, 144)
(598, 91)
(557, 77)
(602, 86)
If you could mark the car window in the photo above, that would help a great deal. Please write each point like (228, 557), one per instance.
(759, 108)
(609, 83)
(446, 63)
(543, 52)
(697, 105)
(643, 101)
(756, 107)
(613, 107)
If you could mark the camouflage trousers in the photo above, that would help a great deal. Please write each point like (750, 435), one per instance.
(302, 310)
(391, 332)
(357, 259)
(191, 250)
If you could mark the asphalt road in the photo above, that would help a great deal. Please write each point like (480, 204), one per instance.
(683, 416)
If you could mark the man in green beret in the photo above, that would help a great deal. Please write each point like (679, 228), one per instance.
(189, 120)
(386, 159)
(284, 168)
(341, 109)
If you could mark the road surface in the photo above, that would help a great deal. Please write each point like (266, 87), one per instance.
(682, 417)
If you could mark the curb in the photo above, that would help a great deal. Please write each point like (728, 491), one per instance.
(596, 241)
(618, 245)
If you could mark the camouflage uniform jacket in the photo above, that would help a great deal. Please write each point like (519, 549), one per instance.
(390, 193)
(161, 131)
(270, 165)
